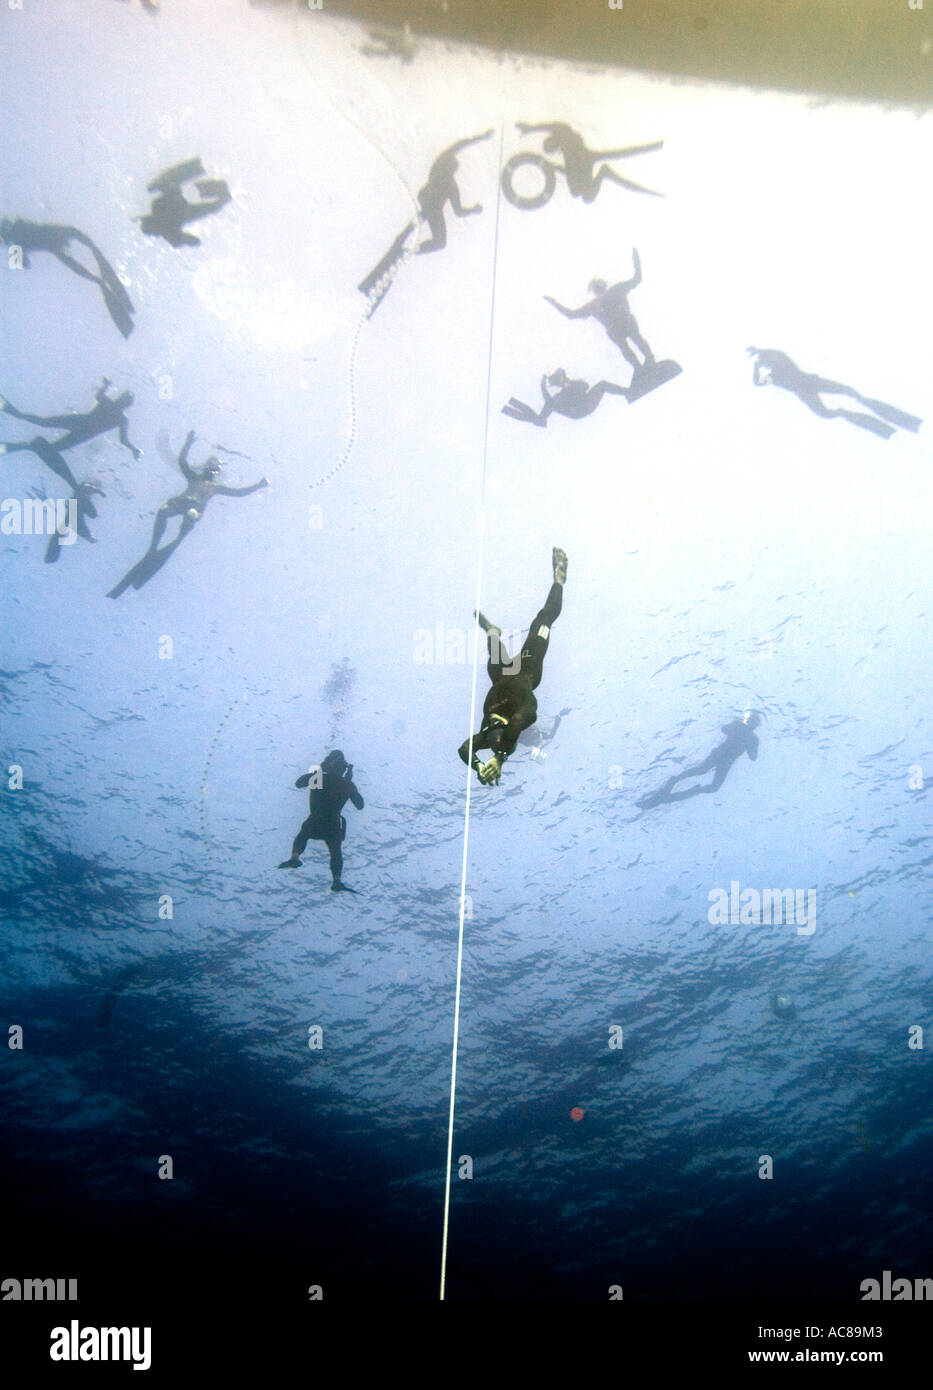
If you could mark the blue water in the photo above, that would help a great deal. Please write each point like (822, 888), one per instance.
(728, 550)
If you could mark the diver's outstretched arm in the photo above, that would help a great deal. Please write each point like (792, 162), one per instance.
(240, 491)
(479, 741)
(356, 798)
(183, 457)
(470, 140)
(581, 313)
(635, 281)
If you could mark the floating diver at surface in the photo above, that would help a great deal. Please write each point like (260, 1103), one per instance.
(83, 492)
(584, 180)
(774, 368)
(189, 505)
(575, 399)
(440, 189)
(610, 307)
(330, 791)
(740, 738)
(170, 208)
(108, 414)
(57, 239)
(536, 739)
(510, 707)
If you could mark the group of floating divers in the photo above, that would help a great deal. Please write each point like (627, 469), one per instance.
(169, 213)
(510, 708)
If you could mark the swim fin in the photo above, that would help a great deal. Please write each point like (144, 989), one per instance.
(144, 569)
(370, 286)
(342, 888)
(117, 308)
(178, 173)
(655, 798)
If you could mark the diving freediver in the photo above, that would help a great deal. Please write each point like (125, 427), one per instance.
(170, 208)
(773, 367)
(440, 189)
(189, 505)
(740, 738)
(510, 707)
(583, 179)
(575, 399)
(330, 791)
(56, 239)
(108, 414)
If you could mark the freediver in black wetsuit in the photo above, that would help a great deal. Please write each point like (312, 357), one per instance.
(775, 368)
(510, 707)
(108, 414)
(575, 399)
(56, 239)
(583, 179)
(83, 492)
(440, 189)
(739, 739)
(324, 822)
(170, 208)
(189, 505)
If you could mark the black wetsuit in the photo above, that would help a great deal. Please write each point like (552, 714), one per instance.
(808, 387)
(739, 739)
(324, 821)
(57, 239)
(511, 692)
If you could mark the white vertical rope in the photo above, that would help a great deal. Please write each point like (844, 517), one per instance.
(469, 776)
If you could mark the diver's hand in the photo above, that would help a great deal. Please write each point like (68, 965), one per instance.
(489, 773)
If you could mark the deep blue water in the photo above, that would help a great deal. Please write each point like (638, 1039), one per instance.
(728, 550)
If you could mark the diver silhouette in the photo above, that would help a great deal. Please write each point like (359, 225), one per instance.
(441, 188)
(331, 788)
(775, 368)
(56, 239)
(170, 208)
(535, 739)
(510, 707)
(584, 180)
(610, 307)
(108, 414)
(83, 492)
(739, 739)
(189, 505)
(575, 399)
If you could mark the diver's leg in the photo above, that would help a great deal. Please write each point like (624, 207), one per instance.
(539, 635)
(333, 843)
(620, 336)
(53, 459)
(433, 214)
(696, 770)
(520, 411)
(604, 172)
(298, 845)
(722, 772)
(58, 422)
(77, 267)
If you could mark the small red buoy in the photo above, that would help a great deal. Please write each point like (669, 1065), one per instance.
(576, 1114)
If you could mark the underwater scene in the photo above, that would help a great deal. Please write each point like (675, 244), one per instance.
(429, 473)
